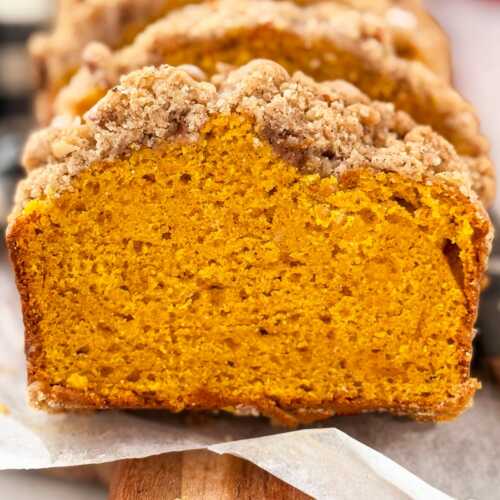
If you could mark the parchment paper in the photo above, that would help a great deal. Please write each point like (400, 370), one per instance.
(461, 458)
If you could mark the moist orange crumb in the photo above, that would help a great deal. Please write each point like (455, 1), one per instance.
(271, 244)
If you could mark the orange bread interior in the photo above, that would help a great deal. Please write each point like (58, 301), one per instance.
(216, 275)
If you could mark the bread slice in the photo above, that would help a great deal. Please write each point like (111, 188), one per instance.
(58, 54)
(325, 41)
(268, 245)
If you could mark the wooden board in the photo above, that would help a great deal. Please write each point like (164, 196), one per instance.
(196, 475)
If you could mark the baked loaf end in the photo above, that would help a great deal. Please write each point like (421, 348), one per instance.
(265, 244)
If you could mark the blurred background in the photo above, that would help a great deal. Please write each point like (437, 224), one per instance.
(18, 19)
(474, 29)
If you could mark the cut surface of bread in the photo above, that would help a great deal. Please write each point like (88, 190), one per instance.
(58, 54)
(325, 41)
(269, 244)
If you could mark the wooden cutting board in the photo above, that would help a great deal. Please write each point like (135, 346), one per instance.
(195, 475)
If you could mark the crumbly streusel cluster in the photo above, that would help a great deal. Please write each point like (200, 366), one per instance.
(324, 128)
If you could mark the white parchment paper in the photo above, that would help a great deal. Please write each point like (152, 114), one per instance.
(461, 458)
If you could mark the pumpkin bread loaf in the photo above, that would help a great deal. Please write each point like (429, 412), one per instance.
(265, 244)
(325, 41)
(58, 54)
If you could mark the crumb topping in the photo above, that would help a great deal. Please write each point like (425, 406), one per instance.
(358, 32)
(78, 23)
(365, 35)
(325, 128)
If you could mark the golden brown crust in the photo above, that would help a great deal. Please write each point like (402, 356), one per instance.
(58, 398)
(363, 35)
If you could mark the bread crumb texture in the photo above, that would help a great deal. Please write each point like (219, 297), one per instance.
(278, 245)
